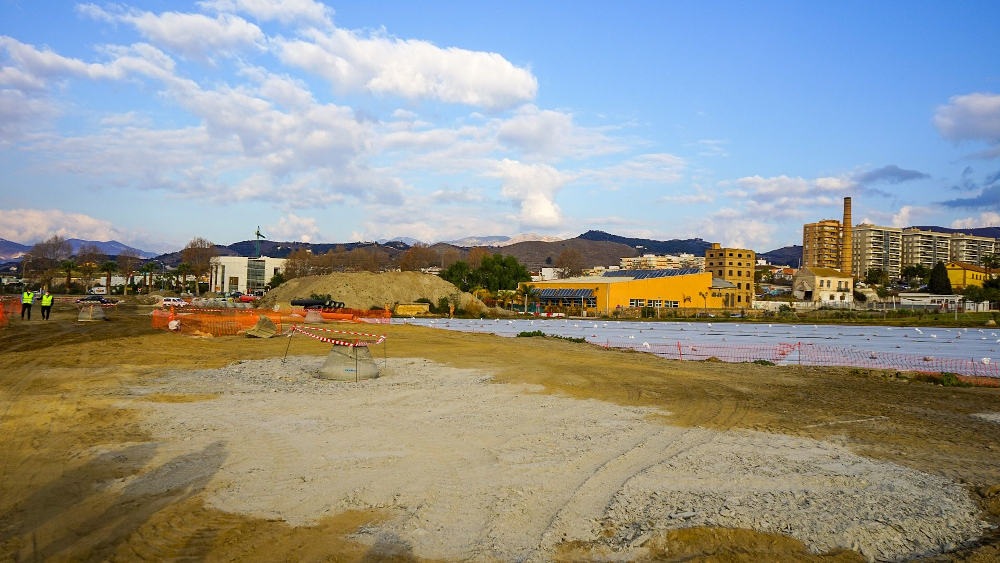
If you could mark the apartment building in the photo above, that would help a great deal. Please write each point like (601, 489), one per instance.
(662, 262)
(877, 247)
(821, 244)
(734, 265)
(971, 249)
(925, 248)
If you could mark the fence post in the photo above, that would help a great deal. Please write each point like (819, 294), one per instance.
(680, 356)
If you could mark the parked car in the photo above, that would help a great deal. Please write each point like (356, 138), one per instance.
(173, 302)
(246, 298)
(96, 300)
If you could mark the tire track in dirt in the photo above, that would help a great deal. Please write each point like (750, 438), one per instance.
(589, 501)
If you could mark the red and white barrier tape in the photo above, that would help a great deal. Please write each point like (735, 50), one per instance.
(303, 330)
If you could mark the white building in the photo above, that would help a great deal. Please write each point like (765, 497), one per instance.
(246, 275)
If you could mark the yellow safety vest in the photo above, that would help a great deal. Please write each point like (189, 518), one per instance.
(27, 298)
(47, 300)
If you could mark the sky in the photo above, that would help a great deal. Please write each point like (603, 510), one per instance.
(154, 122)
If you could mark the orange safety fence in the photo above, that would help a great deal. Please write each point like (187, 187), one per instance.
(214, 322)
(980, 372)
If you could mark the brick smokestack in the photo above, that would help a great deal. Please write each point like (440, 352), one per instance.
(847, 239)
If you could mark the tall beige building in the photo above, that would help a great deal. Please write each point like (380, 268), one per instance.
(877, 247)
(734, 265)
(821, 244)
(971, 249)
(925, 248)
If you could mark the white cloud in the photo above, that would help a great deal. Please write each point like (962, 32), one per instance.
(195, 36)
(28, 226)
(549, 134)
(657, 168)
(698, 196)
(285, 11)
(380, 64)
(533, 188)
(985, 219)
(295, 228)
(970, 117)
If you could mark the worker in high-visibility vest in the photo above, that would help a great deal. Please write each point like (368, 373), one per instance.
(47, 304)
(27, 298)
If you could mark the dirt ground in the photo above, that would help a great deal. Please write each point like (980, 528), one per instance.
(84, 476)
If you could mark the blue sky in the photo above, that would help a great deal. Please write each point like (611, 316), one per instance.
(153, 122)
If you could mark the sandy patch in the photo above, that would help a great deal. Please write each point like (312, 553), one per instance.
(989, 416)
(476, 470)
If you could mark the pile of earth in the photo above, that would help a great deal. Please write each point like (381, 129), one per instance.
(365, 290)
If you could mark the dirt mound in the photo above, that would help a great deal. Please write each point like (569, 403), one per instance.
(365, 290)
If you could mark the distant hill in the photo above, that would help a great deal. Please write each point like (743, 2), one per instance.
(469, 242)
(694, 246)
(538, 254)
(10, 250)
(281, 249)
(111, 247)
(784, 256)
(992, 232)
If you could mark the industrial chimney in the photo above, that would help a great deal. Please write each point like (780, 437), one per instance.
(846, 240)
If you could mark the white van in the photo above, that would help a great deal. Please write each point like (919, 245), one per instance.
(173, 302)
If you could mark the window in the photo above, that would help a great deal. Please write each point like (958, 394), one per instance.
(739, 273)
(730, 272)
(739, 286)
(670, 304)
(739, 298)
(655, 302)
(636, 302)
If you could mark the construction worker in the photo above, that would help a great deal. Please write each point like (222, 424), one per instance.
(47, 304)
(27, 298)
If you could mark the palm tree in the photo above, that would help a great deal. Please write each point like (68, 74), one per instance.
(67, 266)
(183, 269)
(109, 267)
(989, 262)
(529, 292)
(147, 273)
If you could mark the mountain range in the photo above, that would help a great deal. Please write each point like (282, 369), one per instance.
(535, 251)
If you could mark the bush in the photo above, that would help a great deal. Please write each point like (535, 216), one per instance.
(533, 333)
(762, 363)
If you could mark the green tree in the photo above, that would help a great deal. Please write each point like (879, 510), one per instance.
(183, 269)
(277, 279)
(108, 268)
(914, 272)
(499, 272)
(67, 266)
(529, 293)
(876, 276)
(458, 273)
(939, 283)
(990, 262)
(147, 276)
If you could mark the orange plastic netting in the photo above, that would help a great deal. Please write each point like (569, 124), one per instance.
(229, 322)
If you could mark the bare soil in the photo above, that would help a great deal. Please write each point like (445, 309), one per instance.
(121, 443)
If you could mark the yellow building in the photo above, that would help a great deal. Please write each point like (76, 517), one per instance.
(962, 275)
(736, 266)
(635, 289)
(821, 244)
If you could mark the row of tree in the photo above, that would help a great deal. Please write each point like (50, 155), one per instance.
(54, 259)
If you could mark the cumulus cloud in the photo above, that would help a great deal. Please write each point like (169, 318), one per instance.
(985, 219)
(549, 134)
(412, 68)
(532, 187)
(28, 226)
(295, 228)
(970, 117)
(194, 36)
(733, 229)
